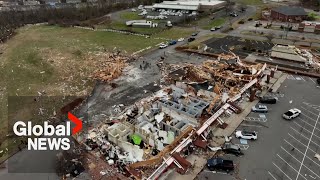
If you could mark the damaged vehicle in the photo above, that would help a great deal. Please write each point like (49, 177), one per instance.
(268, 100)
(229, 148)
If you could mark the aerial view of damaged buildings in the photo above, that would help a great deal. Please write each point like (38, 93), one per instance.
(202, 99)
(160, 132)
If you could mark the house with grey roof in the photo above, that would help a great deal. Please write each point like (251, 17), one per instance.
(289, 14)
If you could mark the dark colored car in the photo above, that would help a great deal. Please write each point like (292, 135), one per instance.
(173, 42)
(268, 100)
(220, 164)
(232, 149)
(191, 39)
(318, 81)
(194, 34)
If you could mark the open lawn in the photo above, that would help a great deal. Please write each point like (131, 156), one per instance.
(58, 61)
(213, 23)
(251, 2)
(130, 16)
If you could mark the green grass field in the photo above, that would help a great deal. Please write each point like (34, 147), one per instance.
(59, 61)
(130, 16)
(251, 2)
(212, 23)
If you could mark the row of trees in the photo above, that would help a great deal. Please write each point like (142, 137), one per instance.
(66, 15)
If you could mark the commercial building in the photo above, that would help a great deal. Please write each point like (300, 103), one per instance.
(309, 26)
(191, 5)
(289, 14)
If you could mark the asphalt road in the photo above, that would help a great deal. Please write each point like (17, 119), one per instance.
(284, 149)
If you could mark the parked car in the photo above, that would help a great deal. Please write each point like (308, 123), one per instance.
(268, 100)
(247, 135)
(233, 14)
(180, 39)
(213, 29)
(292, 113)
(220, 164)
(173, 42)
(318, 81)
(259, 108)
(195, 34)
(232, 149)
(163, 45)
(191, 39)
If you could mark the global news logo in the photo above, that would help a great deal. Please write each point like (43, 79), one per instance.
(48, 137)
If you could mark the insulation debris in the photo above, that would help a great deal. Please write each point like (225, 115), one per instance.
(110, 67)
(173, 122)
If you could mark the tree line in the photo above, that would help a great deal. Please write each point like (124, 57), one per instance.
(66, 15)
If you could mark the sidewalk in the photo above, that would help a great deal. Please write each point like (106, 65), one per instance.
(233, 121)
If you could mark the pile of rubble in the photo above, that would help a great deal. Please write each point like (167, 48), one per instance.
(138, 139)
(110, 66)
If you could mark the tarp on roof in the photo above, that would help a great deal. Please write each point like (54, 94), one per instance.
(136, 139)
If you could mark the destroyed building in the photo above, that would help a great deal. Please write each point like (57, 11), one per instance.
(150, 135)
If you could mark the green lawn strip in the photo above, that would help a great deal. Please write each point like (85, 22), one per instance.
(213, 23)
(130, 16)
(251, 2)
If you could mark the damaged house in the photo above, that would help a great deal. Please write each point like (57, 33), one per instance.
(155, 132)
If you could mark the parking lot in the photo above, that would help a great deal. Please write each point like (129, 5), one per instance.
(284, 149)
(236, 44)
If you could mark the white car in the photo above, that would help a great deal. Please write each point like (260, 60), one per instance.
(292, 113)
(180, 39)
(247, 135)
(162, 46)
(260, 108)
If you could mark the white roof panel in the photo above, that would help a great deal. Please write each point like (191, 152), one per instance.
(176, 6)
(195, 2)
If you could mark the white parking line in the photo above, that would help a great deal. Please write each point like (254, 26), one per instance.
(305, 137)
(242, 146)
(281, 170)
(299, 142)
(316, 107)
(308, 117)
(250, 125)
(272, 175)
(305, 153)
(305, 129)
(309, 111)
(255, 119)
(301, 153)
(300, 161)
(291, 77)
(302, 78)
(312, 80)
(308, 123)
(290, 166)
